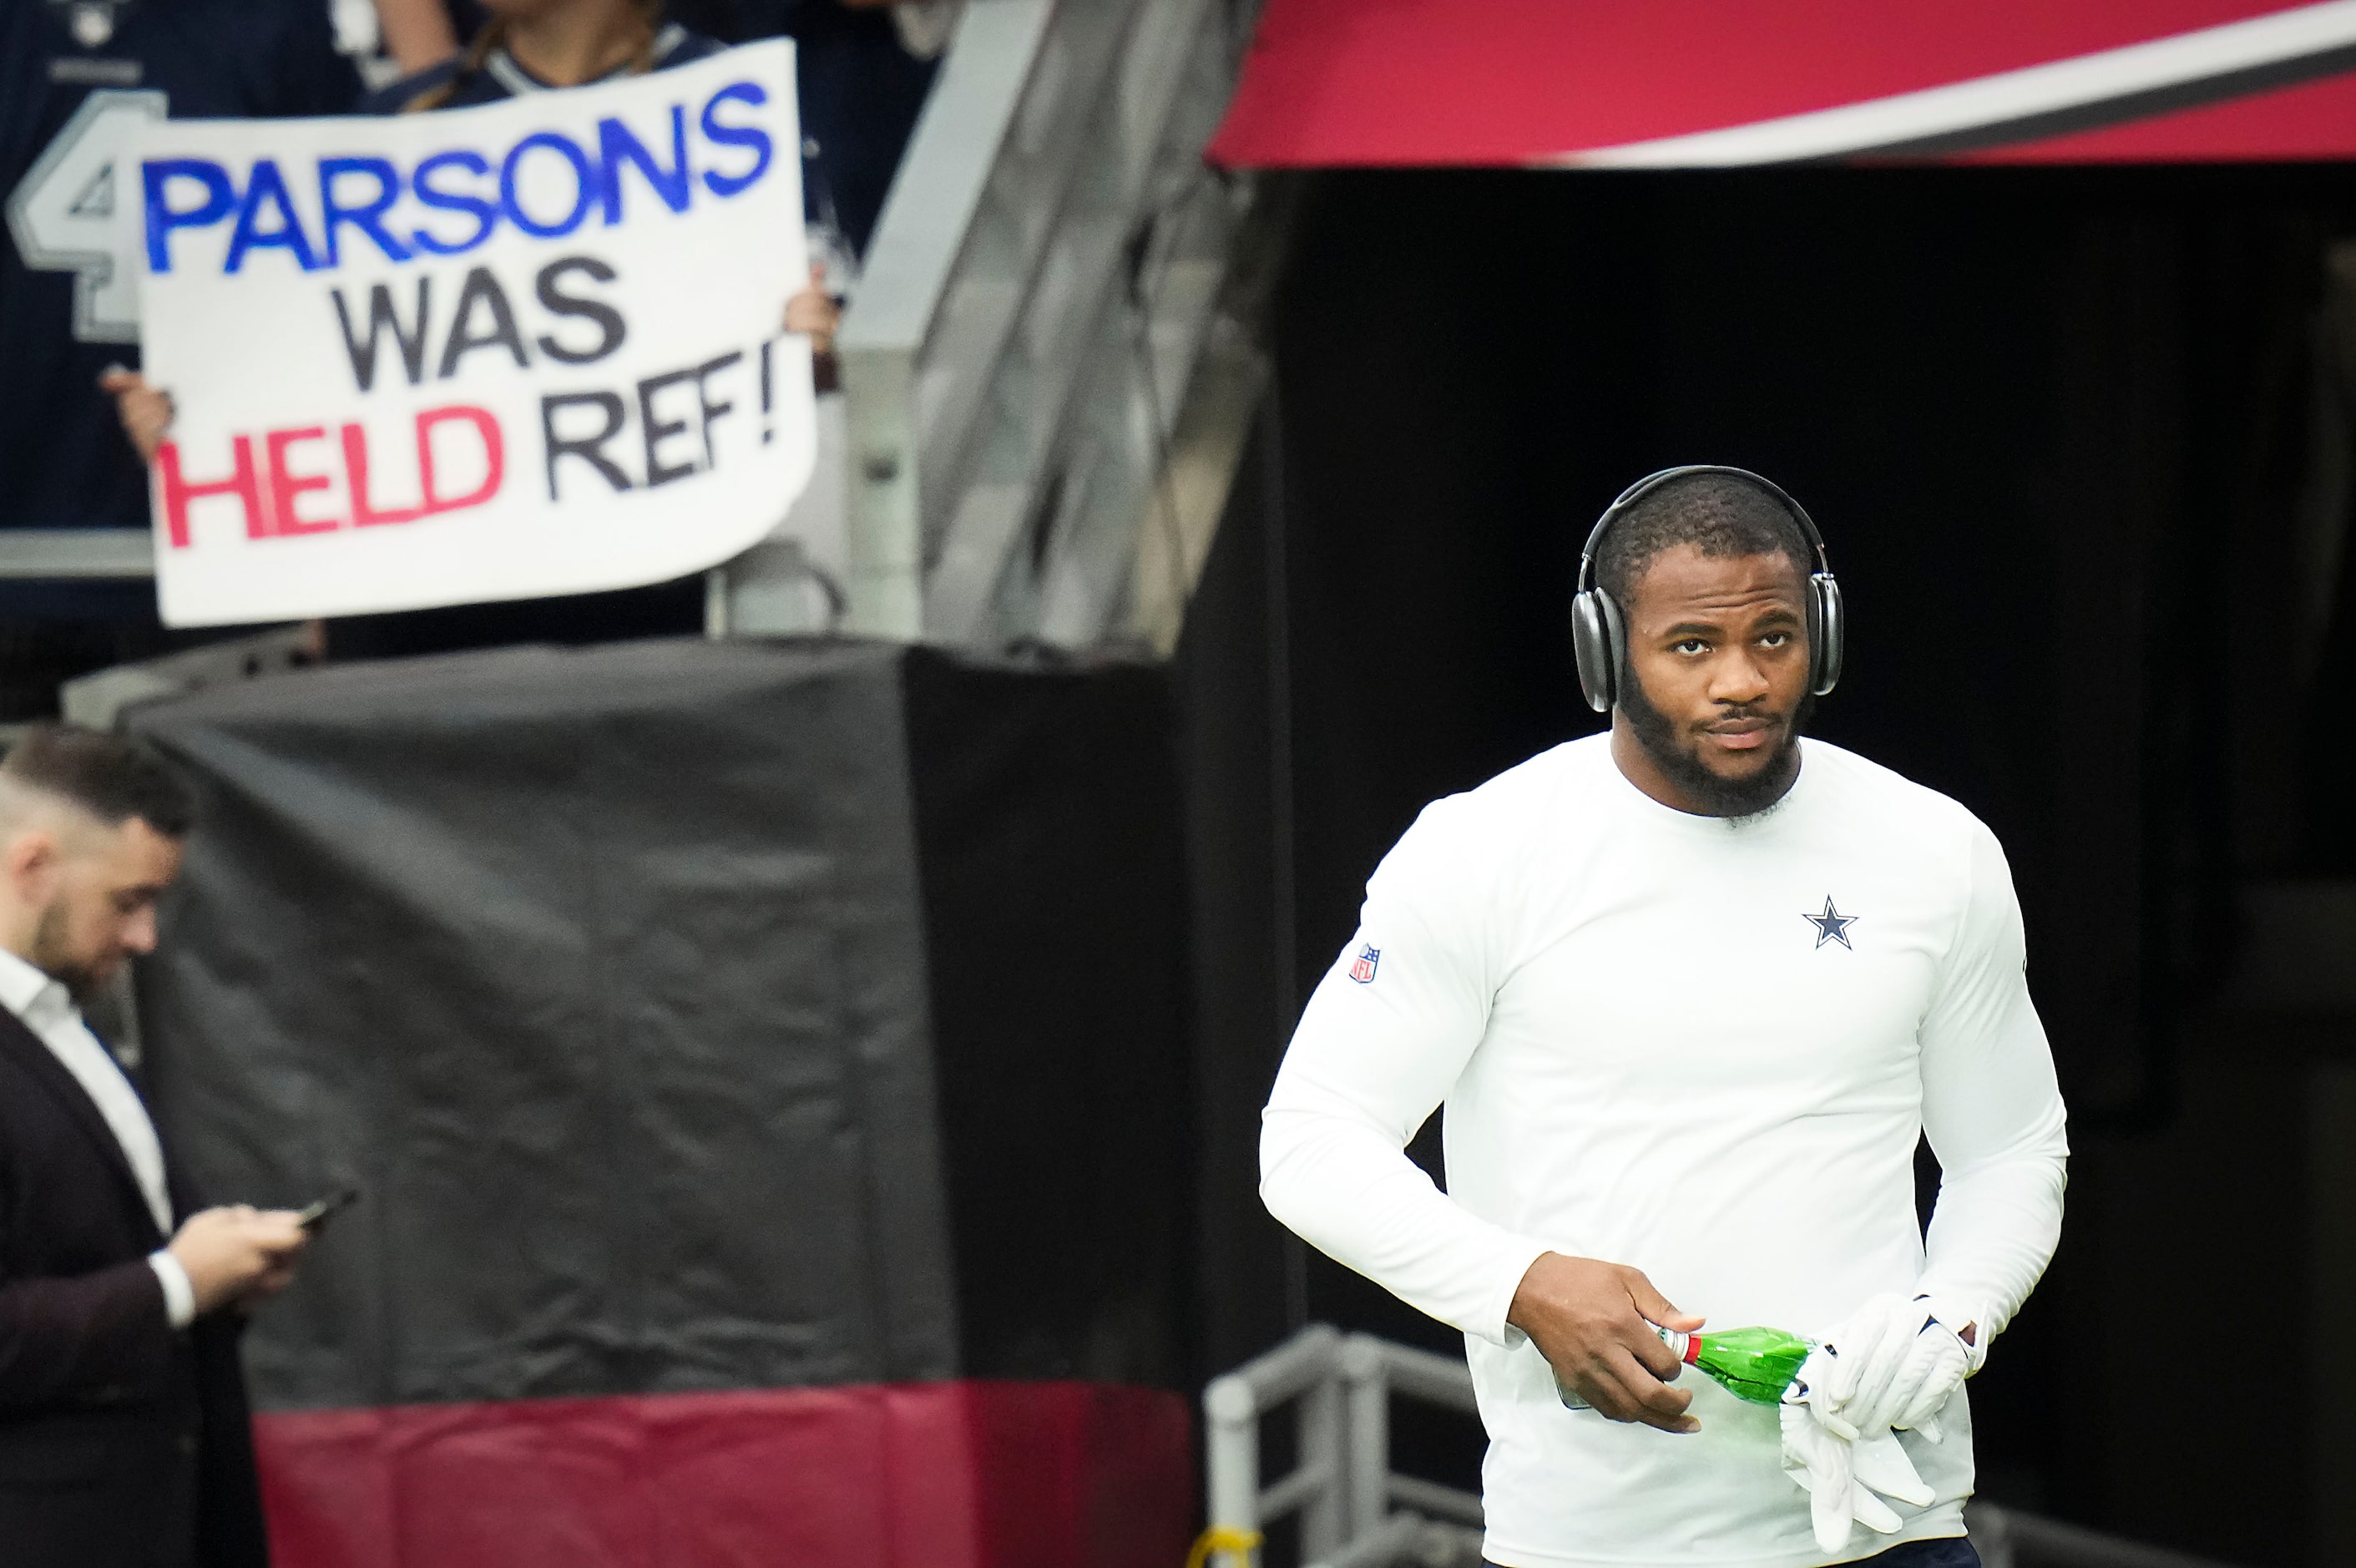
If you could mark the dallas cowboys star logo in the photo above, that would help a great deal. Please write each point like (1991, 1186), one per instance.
(1832, 926)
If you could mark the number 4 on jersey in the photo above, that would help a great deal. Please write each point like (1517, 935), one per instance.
(62, 212)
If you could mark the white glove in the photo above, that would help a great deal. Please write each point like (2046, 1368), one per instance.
(1966, 1323)
(1824, 1465)
(1819, 1461)
(1839, 1476)
(1895, 1364)
(1880, 1462)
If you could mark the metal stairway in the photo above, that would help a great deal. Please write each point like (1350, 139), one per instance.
(1049, 365)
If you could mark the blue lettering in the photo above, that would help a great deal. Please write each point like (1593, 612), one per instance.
(267, 185)
(749, 136)
(369, 219)
(486, 214)
(221, 195)
(361, 196)
(617, 147)
(584, 184)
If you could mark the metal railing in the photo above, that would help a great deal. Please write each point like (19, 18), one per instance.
(85, 553)
(1357, 1512)
(1039, 315)
(1342, 1484)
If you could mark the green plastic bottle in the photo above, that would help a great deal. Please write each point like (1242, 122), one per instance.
(1754, 1364)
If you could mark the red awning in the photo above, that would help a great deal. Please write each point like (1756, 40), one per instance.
(1695, 83)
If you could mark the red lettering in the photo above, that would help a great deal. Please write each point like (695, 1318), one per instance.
(273, 492)
(364, 513)
(287, 487)
(243, 483)
(493, 453)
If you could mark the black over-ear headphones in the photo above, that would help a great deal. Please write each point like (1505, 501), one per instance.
(1598, 635)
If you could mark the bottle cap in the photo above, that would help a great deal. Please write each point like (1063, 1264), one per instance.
(1683, 1345)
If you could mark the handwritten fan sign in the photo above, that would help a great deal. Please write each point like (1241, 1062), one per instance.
(533, 348)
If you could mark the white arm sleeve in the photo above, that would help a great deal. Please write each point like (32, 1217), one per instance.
(1993, 1111)
(1369, 1063)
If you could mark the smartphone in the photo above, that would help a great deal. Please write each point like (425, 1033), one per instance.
(313, 1216)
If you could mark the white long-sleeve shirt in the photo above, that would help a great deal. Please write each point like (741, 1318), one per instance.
(45, 1007)
(1705, 1048)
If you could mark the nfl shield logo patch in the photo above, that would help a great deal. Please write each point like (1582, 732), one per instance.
(1363, 971)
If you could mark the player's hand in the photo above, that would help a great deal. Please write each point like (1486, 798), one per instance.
(233, 1255)
(145, 411)
(1589, 1319)
(1895, 1364)
(814, 312)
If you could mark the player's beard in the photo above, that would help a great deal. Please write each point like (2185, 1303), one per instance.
(53, 956)
(1677, 755)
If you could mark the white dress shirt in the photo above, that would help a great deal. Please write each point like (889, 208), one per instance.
(47, 1008)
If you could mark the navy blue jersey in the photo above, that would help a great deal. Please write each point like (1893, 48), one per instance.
(502, 77)
(75, 75)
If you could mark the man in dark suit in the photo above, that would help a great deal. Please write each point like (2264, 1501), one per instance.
(124, 1440)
